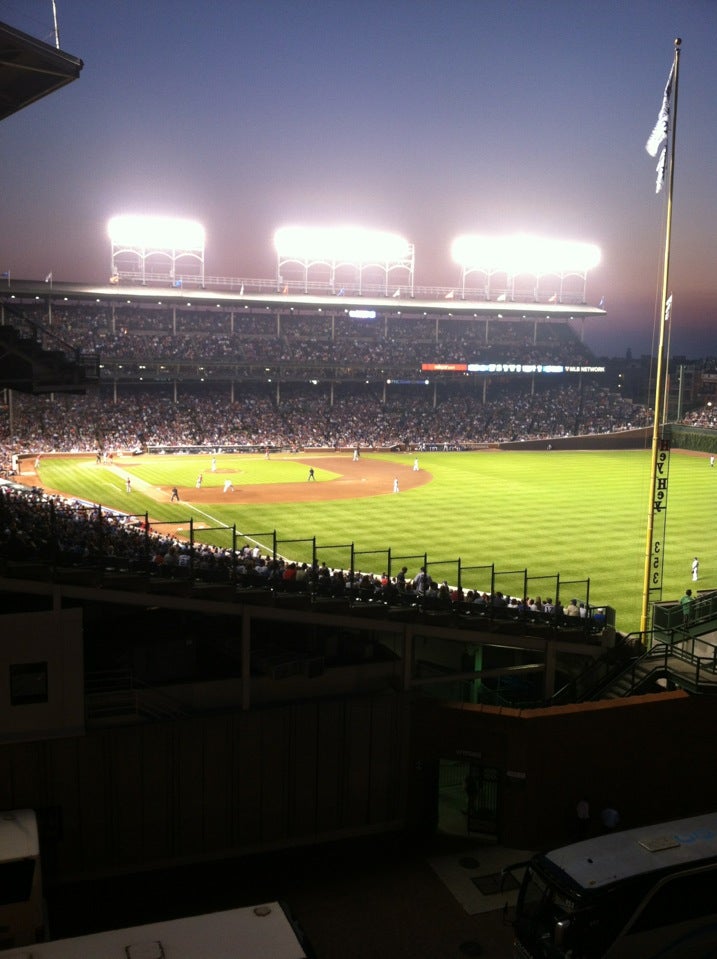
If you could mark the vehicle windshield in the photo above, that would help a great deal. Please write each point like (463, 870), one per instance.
(546, 921)
(550, 924)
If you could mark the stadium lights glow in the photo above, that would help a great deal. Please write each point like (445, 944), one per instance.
(156, 232)
(520, 254)
(344, 244)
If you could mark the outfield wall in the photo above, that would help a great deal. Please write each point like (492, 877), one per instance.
(695, 438)
(623, 440)
(682, 437)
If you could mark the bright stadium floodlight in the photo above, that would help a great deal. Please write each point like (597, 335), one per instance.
(340, 244)
(156, 232)
(541, 256)
(483, 253)
(140, 238)
(343, 246)
(523, 254)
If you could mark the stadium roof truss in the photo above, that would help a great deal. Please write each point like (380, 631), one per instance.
(30, 70)
(135, 241)
(513, 288)
(354, 250)
(517, 259)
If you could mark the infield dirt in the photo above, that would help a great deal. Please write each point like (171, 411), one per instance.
(366, 477)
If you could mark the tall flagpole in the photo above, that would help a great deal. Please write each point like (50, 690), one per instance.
(655, 505)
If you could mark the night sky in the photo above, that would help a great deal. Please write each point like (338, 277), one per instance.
(428, 119)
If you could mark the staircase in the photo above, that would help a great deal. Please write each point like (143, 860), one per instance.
(690, 665)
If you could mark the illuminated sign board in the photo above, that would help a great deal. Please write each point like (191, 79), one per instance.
(409, 382)
(508, 367)
(445, 367)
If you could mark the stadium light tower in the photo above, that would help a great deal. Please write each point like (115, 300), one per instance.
(521, 254)
(142, 237)
(335, 247)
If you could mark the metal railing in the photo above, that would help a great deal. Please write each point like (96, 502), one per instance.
(702, 671)
(246, 286)
(602, 671)
(114, 693)
(689, 664)
(678, 619)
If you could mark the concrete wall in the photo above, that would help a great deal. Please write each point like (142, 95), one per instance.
(53, 639)
(171, 792)
(139, 796)
(647, 755)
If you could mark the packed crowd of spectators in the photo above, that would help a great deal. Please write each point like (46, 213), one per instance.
(254, 413)
(50, 530)
(159, 335)
(305, 418)
(704, 417)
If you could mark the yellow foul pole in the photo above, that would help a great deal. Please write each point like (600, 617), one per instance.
(659, 374)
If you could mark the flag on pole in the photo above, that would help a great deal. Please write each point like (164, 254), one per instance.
(658, 137)
(668, 309)
(553, 298)
(450, 295)
(397, 293)
(660, 169)
(502, 298)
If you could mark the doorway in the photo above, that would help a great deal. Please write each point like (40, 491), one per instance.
(467, 798)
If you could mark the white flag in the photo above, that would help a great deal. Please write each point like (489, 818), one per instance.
(449, 295)
(668, 309)
(660, 169)
(48, 278)
(659, 133)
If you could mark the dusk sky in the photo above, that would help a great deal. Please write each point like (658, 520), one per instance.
(428, 119)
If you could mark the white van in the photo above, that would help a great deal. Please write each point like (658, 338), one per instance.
(635, 894)
(22, 915)
(254, 932)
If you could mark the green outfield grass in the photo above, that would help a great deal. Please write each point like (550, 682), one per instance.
(582, 515)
